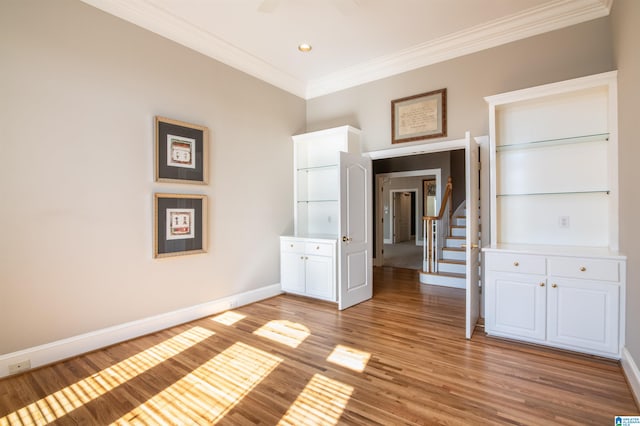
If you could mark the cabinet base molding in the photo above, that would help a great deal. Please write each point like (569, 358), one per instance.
(553, 346)
(77, 345)
(632, 374)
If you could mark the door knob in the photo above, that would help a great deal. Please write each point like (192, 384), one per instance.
(346, 239)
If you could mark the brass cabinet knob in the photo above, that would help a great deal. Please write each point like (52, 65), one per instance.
(541, 284)
(582, 269)
(317, 247)
(554, 285)
(516, 263)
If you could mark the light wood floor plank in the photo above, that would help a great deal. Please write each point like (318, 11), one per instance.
(420, 371)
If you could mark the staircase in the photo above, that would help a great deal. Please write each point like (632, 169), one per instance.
(452, 262)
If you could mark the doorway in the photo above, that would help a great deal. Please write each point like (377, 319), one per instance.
(402, 249)
(394, 250)
(403, 222)
(413, 155)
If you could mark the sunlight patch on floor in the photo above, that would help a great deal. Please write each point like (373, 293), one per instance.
(284, 331)
(62, 402)
(207, 393)
(350, 358)
(228, 318)
(321, 402)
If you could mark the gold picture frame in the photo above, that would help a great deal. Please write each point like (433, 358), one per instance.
(179, 224)
(181, 152)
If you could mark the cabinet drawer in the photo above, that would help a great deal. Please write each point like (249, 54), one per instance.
(320, 249)
(514, 262)
(292, 246)
(588, 269)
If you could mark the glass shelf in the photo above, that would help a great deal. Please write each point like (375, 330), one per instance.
(601, 137)
(322, 167)
(604, 191)
(317, 201)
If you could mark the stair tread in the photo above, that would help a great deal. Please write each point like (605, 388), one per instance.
(446, 274)
(453, 261)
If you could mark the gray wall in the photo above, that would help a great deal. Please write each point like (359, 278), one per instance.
(626, 30)
(572, 52)
(78, 93)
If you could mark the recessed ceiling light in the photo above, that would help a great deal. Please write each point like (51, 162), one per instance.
(304, 47)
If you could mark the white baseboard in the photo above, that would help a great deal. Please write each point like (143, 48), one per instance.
(77, 345)
(632, 372)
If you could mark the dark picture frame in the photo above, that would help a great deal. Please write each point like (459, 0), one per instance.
(181, 152)
(419, 117)
(428, 189)
(179, 224)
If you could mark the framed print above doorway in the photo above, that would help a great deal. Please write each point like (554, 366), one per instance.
(419, 117)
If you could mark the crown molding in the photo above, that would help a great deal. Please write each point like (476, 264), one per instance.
(158, 21)
(550, 16)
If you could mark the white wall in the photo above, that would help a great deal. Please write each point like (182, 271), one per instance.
(626, 17)
(559, 55)
(78, 93)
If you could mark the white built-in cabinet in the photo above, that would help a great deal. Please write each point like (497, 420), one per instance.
(309, 263)
(553, 274)
(308, 267)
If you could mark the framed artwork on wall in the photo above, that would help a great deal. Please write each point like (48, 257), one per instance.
(179, 224)
(428, 197)
(419, 117)
(182, 152)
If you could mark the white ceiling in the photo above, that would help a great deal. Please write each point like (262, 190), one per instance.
(354, 41)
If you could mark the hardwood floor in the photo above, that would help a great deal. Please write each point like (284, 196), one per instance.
(400, 358)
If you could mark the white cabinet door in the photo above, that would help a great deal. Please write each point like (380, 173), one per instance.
(292, 272)
(583, 314)
(472, 165)
(319, 272)
(519, 306)
(355, 250)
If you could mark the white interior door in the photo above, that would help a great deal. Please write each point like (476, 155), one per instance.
(404, 229)
(355, 282)
(401, 216)
(472, 170)
(395, 217)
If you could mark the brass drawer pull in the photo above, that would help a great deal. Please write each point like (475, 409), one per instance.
(516, 263)
(582, 269)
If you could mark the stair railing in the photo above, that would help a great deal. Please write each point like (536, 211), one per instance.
(433, 226)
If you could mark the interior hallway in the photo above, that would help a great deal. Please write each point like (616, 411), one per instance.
(403, 255)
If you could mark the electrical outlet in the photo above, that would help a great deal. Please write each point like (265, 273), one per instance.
(19, 367)
(563, 221)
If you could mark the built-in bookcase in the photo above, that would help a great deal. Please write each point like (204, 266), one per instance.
(317, 179)
(554, 149)
(553, 275)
